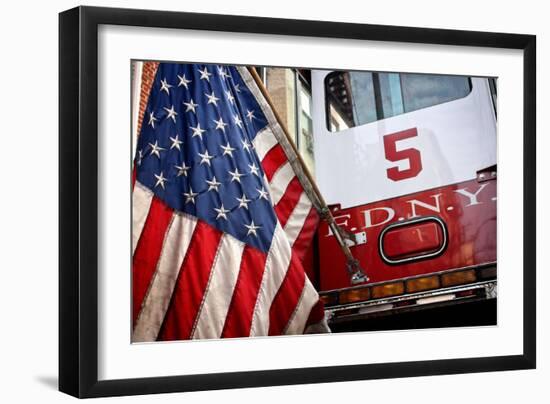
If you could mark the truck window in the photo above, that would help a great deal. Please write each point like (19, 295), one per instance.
(358, 98)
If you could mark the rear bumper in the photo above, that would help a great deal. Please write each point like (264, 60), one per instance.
(412, 302)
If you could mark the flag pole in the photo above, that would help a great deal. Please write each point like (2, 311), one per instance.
(357, 274)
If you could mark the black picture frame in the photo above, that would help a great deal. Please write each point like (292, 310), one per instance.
(78, 201)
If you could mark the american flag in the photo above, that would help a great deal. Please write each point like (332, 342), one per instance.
(220, 220)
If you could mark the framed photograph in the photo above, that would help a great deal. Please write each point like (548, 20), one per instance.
(251, 201)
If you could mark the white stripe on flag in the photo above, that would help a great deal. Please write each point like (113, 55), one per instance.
(277, 263)
(309, 297)
(264, 142)
(279, 182)
(174, 248)
(141, 202)
(219, 291)
(295, 222)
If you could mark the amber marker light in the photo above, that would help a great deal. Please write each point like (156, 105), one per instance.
(330, 299)
(388, 289)
(458, 278)
(354, 295)
(420, 284)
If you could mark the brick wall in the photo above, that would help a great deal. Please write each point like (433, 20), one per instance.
(281, 87)
(147, 78)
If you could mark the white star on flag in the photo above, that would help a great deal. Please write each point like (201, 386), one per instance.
(230, 97)
(205, 74)
(238, 121)
(212, 99)
(243, 201)
(223, 72)
(156, 149)
(235, 175)
(190, 106)
(252, 229)
(227, 149)
(182, 170)
(263, 194)
(222, 212)
(171, 113)
(164, 86)
(213, 184)
(250, 115)
(160, 180)
(205, 157)
(253, 169)
(176, 142)
(183, 81)
(197, 131)
(220, 124)
(190, 196)
(152, 119)
(246, 145)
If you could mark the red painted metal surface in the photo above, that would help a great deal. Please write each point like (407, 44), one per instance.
(412, 240)
(468, 210)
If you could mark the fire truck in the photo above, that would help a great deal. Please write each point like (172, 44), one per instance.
(407, 165)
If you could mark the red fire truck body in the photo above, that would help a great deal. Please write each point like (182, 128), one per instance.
(413, 185)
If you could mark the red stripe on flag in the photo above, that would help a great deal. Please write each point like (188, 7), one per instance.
(301, 244)
(273, 160)
(191, 284)
(148, 251)
(289, 200)
(241, 308)
(287, 297)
